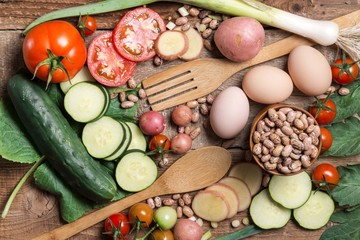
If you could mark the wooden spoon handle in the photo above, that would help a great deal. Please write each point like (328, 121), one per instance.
(70, 229)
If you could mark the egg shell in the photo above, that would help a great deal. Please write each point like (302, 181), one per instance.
(229, 112)
(309, 70)
(267, 84)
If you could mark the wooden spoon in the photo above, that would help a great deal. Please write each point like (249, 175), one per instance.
(195, 170)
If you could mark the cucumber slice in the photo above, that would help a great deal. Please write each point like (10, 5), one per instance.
(82, 76)
(266, 213)
(103, 137)
(316, 212)
(135, 171)
(124, 147)
(291, 191)
(86, 102)
(138, 141)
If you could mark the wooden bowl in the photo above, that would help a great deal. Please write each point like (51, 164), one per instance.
(276, 154)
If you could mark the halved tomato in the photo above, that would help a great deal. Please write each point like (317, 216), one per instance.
(105, 64)
(136, 32)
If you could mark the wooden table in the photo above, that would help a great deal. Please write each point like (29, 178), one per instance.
(35, 211)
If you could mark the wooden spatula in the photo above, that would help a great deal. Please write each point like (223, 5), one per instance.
(194, 79)
(195, 170)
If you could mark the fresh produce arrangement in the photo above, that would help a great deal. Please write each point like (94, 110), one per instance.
(80, 115)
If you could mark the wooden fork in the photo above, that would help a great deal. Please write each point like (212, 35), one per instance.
(197, 78)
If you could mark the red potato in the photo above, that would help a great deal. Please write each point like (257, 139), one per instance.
(241, 189)
(239, 38)
(210, 206)
(171, 44)
(186, 229)
(229, 195)
(152, 123)
(250, 173)
(181, 143)
(196, 44)
(181, 115)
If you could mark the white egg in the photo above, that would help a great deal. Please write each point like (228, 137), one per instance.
(309, 70)
(229, 112)
(267, 84)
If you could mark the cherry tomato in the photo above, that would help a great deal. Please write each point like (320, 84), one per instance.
(105, 64)
(87, 25)
(116, 226)
(326, 139)
(324, 110)
(54, 41)
(325, 176)
(142, 212)
(344, 70)
(136, 32)
(159, 143)
(159, 234)
(165, 217)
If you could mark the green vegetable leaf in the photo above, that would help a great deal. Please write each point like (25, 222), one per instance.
(347, 192)
(347, 227)
(72, 205)
(348, 105)
(119, 113)
(15, 144)
(346, 138)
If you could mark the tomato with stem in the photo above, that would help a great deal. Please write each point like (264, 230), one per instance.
(165, 217)
(324, 110)
(141, 212)
(344, 70)
(159, 234)
(116, 226)
(87, 25)
(159, 144)
(325, 176)
(54, 51)
(326, 139)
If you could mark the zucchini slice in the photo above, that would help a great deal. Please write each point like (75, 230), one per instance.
(138, 141)
(316, 212)
(135, 171)
(103, 137)
(291, 191)
(266, 213)
(86, 102)
(124, 147)
(83, 75)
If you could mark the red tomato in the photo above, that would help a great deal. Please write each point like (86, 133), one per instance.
(324, 110)
(325, 176)
(141, 211)
(116, 226)
(54, 41)
(87, 25)
(344, 70)
(136, 32)
(326, 139)
(159, 143)
(105, 64)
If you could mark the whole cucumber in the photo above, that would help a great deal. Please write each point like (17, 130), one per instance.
(54, 137)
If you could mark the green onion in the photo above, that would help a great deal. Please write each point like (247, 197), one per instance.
(242, 233)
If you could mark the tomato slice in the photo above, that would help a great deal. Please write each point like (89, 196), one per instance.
(136, 32)
(105, 64)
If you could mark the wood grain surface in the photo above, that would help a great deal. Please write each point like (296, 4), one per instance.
(34, 211)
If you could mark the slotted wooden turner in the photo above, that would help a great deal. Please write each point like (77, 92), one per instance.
(197, 78)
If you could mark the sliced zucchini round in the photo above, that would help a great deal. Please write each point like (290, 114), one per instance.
(124, 147)
(138, 141)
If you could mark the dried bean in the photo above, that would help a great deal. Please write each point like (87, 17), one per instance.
(142, 94)
(179, 212)
(214, 24)
(187, 130)
(176, 196)
(285, 110)
(122, 96)
(194, 12)
(204, 110)
(181, 202)
(287, 130)
(187, 199)
(192, 104)
(201, 100)
(195, 117)
(305, 161)
(127, 104)
(195, 133)
(210, 99)
(265, 158)
(264, 150)
(272, 114)
(157, 201)
(275, 138)
(269, 123)
(181, 21)
(150, 202)
(187, 211)
(256, 137)
(203, 13)
(278, 150)
(206, 20)
(131, 83)
(168, 201)
(270, 166)
(133, 98)
(157, 61)
(343, 91)
(185, 27)
(235, 223)
(257, 149)
(287, 150)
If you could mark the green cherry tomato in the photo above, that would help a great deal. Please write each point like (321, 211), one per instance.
(165, 217)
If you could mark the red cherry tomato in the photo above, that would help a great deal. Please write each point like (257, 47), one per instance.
(105, 64)
(325, 176)
(136, 32)
(87, 25)
(344, 70)
(324, 111)
(54, 41)
(326, 139)
(159, 143)
(116, 226)
(142, 212)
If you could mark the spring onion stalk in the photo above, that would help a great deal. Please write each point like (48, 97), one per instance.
(322, 32)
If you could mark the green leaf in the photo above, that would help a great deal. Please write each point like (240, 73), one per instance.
(347, 192)
(15, 144)
(119, 113)
(72, 205)
(347, 227)
(346, 138)
(348, 105)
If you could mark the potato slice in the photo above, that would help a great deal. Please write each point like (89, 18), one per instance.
(210, 205)
(171, 44)
(241, 189)
(196, 44)
(229, 195)
(250, 173)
